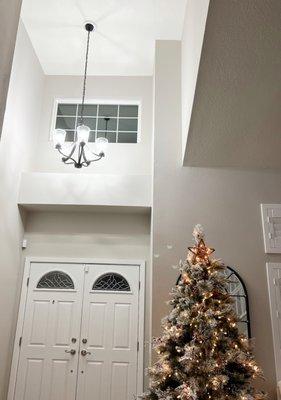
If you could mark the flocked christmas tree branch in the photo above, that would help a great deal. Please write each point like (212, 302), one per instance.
(201, 353)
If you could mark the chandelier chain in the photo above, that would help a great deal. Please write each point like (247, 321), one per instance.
(85, 79)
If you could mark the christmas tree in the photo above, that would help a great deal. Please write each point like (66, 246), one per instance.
(201, 353)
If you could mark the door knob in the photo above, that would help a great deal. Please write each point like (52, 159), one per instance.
(85, 352)
(72, 352)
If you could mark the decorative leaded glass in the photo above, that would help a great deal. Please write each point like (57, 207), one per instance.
(112, 282)
(55, 280)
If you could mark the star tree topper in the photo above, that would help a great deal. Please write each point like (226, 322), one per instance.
(200, 252)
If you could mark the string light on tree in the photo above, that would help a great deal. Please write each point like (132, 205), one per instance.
(202, 355)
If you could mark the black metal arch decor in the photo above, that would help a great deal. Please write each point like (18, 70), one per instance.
(238, 290)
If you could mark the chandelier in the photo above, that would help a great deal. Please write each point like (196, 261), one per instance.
(78, 152)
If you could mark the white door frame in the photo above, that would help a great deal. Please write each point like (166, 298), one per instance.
(273, 313)
(22, 305)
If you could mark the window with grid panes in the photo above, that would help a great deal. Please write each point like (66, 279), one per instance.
(122, 126)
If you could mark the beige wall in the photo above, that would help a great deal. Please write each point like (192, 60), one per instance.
(191, 46)
(93, 235)
(19, 133)
(9, 17)
(226, 202)
(238, 91)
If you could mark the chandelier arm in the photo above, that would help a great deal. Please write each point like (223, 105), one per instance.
(66, 158)
(95, 154)
(80, 153)
(69, 157)
(70, 162)
(88, 162)
(84, 157)
(96, 159)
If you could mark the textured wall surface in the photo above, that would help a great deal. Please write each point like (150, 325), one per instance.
(192, 41)
(9, 17)
(225, 201)
(236, 113)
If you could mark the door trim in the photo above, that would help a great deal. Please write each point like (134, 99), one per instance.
(65, 260)
(273, 313)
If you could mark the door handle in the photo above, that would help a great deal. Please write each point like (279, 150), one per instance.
(85, 352)
(72, 352)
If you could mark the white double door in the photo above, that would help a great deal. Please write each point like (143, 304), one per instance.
(80, 333)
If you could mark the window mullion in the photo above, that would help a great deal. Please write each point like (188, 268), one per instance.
(117, 125)
(97, 119)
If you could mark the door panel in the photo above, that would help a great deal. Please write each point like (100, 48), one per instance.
(59, 379)
(64, 322)
(122, 326)
(96, 327)
(110, 332)
(39, 324)
(119, 381)
(47, 371)
(33, 376)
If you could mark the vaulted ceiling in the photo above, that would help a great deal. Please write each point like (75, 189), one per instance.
(123, 43)
(236, 117)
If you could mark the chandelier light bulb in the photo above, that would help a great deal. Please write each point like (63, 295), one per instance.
(83, 133)
(101, 145)
(59, 137)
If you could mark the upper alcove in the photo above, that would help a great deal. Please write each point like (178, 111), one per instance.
(122, 179)
(121, 158)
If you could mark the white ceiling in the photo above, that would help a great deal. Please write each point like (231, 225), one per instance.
(122, 45)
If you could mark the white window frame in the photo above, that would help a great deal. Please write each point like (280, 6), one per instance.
(23, 298)
(66, 100)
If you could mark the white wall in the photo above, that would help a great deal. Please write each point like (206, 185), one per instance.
(49, 189)
(19, 135)
(87, 234)
(93, 235)
(9, 17)
(225, 201)
(120, 158)
(192, 41)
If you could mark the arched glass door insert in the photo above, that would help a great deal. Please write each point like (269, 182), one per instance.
(112, 282)
(55, 280)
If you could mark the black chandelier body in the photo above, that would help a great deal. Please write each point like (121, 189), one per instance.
(77, 155)
(82, 160)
